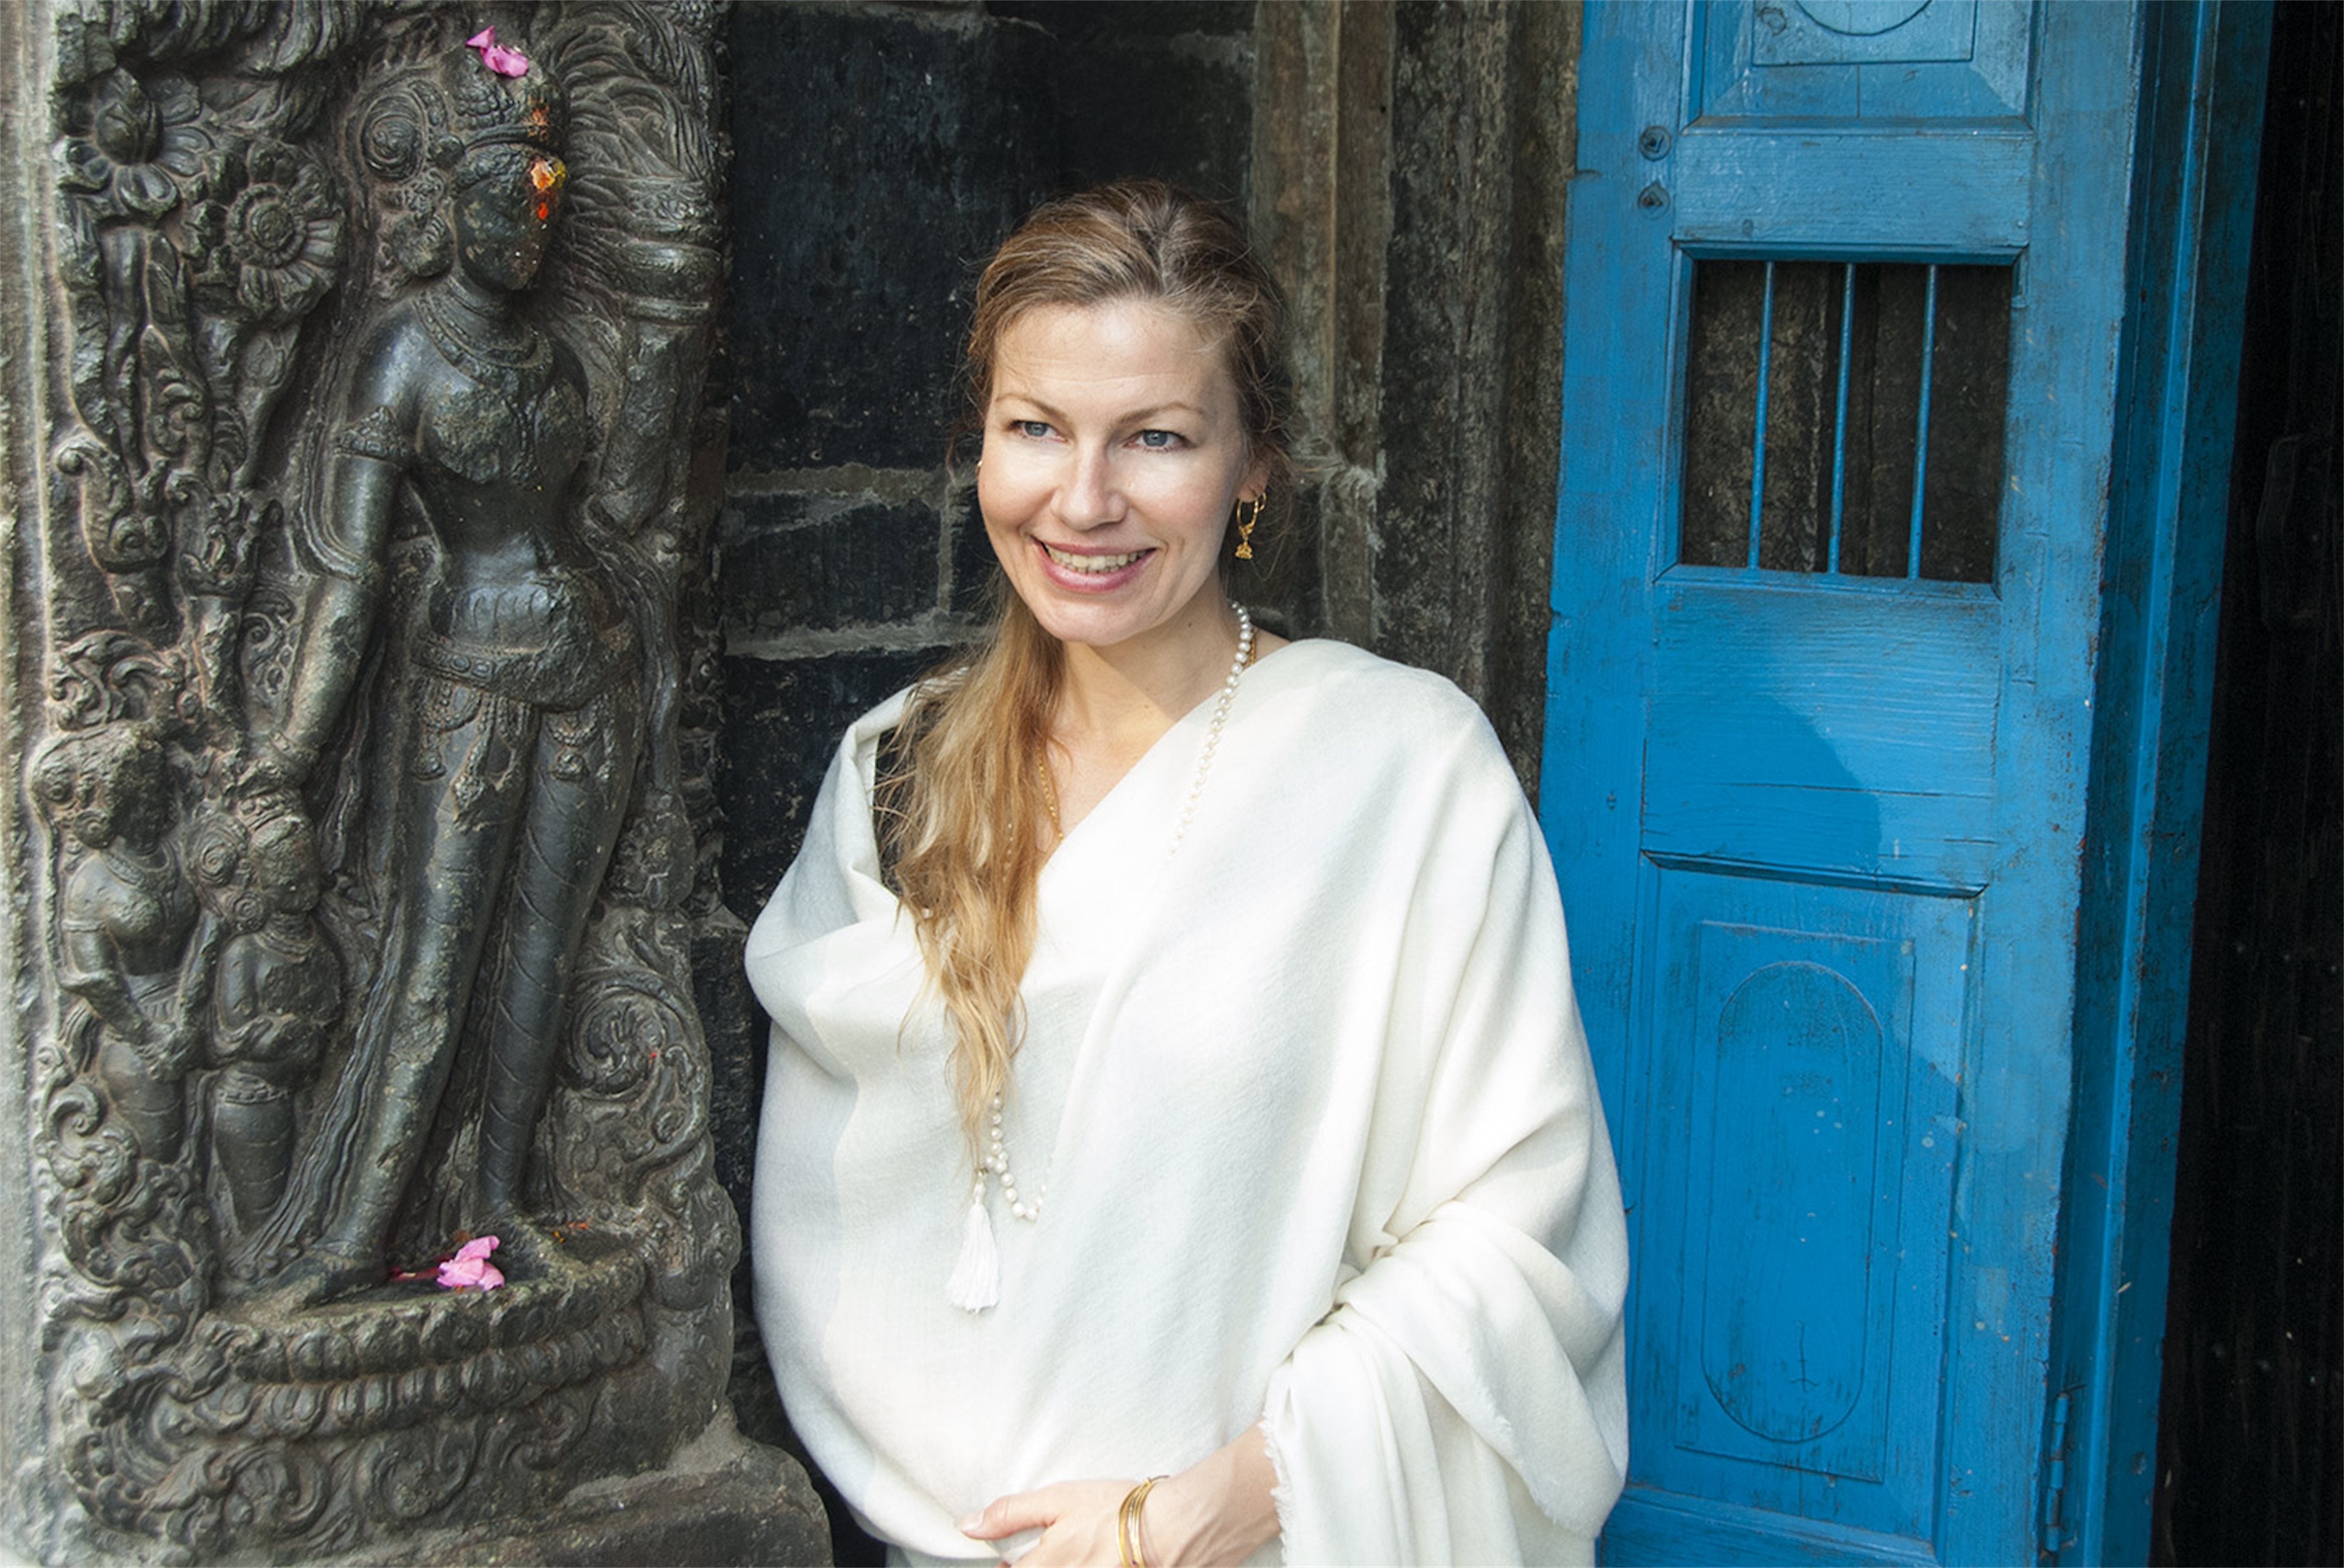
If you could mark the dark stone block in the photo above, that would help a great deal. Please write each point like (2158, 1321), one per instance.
(976, 570)
(1081, 20)
(883, 155)
(1283, 584)
(788, 714)
(1158, 91)
(750, 1504)
(795, 561)
(1136, 108)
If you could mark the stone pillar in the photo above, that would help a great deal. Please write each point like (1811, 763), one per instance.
(360, 691)
(1410, 166)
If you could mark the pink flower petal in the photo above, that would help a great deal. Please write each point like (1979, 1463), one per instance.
(469, 1274)
(504, 62)
(470, 1269)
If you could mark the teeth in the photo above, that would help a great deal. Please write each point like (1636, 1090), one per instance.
(1093, 565)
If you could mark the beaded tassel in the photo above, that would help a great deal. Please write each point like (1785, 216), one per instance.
(975, 1282)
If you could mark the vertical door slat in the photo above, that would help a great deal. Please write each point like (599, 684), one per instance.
(1921, 428)
(1758, 436)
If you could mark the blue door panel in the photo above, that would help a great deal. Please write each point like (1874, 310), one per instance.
(1805, 116)
(1943, 198)
(1801, 1135)
(1651, 1526)
(1847, 731)
(1951, 61)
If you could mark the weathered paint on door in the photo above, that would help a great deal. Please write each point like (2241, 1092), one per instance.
(1820, 834)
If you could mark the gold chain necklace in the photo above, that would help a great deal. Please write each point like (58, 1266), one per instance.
(1049, 790)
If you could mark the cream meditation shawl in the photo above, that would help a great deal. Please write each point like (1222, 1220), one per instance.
(1319, 1133)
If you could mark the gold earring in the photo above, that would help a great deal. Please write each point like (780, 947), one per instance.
(1248, 514)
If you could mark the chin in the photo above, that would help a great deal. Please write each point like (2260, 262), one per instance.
(1103, 624)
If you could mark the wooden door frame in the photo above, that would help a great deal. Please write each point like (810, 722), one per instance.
(2203, 67)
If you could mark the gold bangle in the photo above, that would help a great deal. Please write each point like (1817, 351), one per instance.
(1127, 1523)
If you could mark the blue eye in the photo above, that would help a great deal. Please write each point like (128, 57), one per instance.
(1159, 441)
(1033, 428)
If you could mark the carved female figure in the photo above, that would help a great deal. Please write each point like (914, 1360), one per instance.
(123, 914)
(519, 720)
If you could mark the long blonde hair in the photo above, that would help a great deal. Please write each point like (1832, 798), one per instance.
(965, 815)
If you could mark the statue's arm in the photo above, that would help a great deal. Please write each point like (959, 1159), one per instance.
(344, 548)
(199, 976)
(88, 965)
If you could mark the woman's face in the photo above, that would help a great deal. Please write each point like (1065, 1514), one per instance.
(504, 219)
(1113, 453)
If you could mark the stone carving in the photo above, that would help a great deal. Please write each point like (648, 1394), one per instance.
(371, 867)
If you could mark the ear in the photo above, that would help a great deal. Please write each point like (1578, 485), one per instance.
(1255, 485)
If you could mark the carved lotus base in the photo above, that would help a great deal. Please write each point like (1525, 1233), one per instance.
(387, 1360)
(277, 1434)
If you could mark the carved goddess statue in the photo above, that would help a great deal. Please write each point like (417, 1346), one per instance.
(516, 724)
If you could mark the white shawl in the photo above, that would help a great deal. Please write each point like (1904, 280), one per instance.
(1321, 1140)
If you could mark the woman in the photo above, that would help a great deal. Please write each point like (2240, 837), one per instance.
(1175, 1066)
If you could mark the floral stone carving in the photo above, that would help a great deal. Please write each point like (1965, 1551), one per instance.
(363, 844)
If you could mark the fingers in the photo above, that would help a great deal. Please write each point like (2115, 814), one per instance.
(1075, 1520)
(1008, 1515)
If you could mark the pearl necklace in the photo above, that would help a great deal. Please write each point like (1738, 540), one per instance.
(997, 1161)
(1221, 706)
(975, 1282)
(1237, 667)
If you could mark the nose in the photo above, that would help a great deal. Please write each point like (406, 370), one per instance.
(1090, 496)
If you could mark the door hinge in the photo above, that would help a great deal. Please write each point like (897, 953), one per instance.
(2054, 1480)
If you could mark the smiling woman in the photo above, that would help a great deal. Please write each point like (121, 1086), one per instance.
(1229, 975)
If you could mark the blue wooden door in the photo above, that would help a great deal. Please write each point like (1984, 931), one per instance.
(1844, 287)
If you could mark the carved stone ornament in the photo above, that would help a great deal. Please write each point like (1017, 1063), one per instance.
(359, 844)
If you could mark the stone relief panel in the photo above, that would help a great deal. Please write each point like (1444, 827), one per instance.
(365, 777)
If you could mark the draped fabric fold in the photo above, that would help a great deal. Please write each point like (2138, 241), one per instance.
(1320, 1136)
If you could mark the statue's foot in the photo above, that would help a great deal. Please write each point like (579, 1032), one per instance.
(527, 1250)
(320, 1275)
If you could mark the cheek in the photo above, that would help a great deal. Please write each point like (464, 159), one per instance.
(1194, 507)
(1009, 494)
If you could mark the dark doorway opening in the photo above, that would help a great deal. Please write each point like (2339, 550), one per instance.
(2250, 1440)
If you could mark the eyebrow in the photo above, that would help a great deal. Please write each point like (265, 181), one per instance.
(1135, 416)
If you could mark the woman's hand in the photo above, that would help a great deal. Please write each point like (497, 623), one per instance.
(1077, 1519)
(1217, 1511)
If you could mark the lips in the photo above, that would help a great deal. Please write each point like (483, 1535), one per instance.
(1092, 565)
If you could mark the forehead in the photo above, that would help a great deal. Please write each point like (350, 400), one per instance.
(1137, 345)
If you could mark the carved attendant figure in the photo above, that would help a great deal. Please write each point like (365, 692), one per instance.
(520, 717)
(123, 914)
(275, 984)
